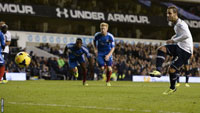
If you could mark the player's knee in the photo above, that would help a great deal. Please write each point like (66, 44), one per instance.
(110, 68)
(162, 48)
(187, 68)
(102, 68)
(172, 70)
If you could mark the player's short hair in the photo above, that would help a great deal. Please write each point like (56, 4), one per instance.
(2, 23)
(174, 8)
(78, 39)
(104, 24)
(4, 27)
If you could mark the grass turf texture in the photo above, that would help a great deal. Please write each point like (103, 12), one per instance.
(121, 97)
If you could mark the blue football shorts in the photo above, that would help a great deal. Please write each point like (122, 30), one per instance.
(101, 61)
(73, 62)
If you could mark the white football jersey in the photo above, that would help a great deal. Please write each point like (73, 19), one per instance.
(183, 36)
(7, 37)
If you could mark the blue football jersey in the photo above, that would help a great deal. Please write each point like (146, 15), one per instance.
(2, 41)
(74, 52)
(2, 44)
(104, 43)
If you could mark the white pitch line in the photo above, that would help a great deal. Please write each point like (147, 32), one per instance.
(125, 85)
(89, 107)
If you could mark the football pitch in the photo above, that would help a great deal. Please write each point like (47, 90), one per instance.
(122, 97)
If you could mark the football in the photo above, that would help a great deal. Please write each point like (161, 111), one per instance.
(22, 59)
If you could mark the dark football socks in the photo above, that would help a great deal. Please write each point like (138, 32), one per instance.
(178, 78)
(173, 78)
(159, 60)
(108, 74)
(84, 76)
(187, 76)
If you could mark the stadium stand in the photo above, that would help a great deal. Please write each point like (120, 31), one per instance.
(135, 59)
(45, 22)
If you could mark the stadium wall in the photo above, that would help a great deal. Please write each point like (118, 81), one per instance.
(140, 78)
(62, 39)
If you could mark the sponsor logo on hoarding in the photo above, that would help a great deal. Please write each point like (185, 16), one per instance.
(16, 8)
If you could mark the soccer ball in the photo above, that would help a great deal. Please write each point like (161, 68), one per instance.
(22, 59)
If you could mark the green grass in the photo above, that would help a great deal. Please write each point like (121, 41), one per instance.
(122, 97)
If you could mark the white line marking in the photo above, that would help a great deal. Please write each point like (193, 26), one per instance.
(91, 107)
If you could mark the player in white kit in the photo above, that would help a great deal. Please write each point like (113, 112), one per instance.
(180, 46)
(7, 39)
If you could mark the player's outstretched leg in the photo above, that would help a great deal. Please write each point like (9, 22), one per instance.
(159, 61)
(155, 73)
(169, 91)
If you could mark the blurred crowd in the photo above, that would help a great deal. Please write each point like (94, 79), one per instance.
(111, 6)
(129, 59)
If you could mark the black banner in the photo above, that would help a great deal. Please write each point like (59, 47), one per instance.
(46, 11)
